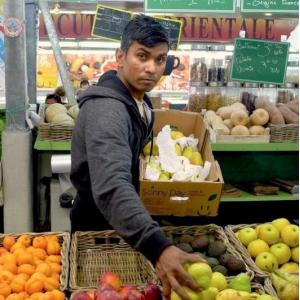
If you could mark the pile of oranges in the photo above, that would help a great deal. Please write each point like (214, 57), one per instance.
(30, 268)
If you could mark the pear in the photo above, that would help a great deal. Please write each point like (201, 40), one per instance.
(164, 176)
(209, 294)
(229, 294)
(247, 296)
(175, 135)
(196, 159)
(147, 149)
(178, 149)
(291, 278)
(241, 282)
(189, 292)
(188, 151)
(285, 290)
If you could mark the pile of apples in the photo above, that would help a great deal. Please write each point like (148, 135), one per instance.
(111, 288)
(273, 245)
(214, 285)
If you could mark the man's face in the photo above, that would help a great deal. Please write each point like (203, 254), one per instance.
(141, 67)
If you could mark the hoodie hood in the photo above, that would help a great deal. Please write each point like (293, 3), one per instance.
(110, 86)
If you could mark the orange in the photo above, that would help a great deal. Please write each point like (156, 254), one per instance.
(3, 250)
(2, 297)
(52, 238)
(39, 242)
(56, 276)
(7, 258)
(30, 249)
(34, 286)
(56, 268)
(44, 268)
(24, 295)
(39, 253)
(49, 296)
(58, 295)
(5, 289)
(51, 284)
(8, 241)
(17, 246)
(25, 240)
(37, 261)
(38, 276)
(37, 296)
(53, 247)
(17, 285)
(27, 269)
(11, 267)
(54, 259)
(14, 296)
(24, 258)
(23, 276)
(6, 277)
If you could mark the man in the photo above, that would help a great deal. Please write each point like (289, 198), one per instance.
(52, 98)
(114, 123)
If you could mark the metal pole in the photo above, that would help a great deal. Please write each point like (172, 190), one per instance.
(15, 66)
(31, 13)
(43, 4)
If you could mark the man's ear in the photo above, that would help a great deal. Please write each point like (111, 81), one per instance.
(120, 55)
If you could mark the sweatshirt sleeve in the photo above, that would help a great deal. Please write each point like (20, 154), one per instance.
(107, 130)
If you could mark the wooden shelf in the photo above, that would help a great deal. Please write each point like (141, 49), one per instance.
(255, 147)
(246, 197)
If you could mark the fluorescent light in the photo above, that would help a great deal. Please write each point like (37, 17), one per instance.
(98, 44)
(268, 14)
(185, 47)
(88, 12)
(229, 48)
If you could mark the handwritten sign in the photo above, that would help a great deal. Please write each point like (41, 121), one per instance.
(110, 22)
(165, 6)
(283, 6)
(259, 61)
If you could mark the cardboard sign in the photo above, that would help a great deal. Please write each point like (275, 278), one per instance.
(259, 61)
(110, 22)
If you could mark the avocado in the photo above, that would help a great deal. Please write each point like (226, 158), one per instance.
(236, 265)
(224, 258)
(200, 242)
(216, 248)
(220, 269)
(185, 247)
(212, 261)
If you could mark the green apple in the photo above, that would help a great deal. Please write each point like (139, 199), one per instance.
(202, 274)
(265, 297)
(178, 149)
(187, 152)
(193, 295)
(218, 280)
(176, 134)
(280, 223)
(209, 294)
(196, 159)
(247, 235)
(282, 252)
(295, 254)
(266, 261)
(269, 233)
(290, 235)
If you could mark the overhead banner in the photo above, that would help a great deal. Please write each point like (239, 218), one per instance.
(270, 6)
(167, 6)
(194, 28)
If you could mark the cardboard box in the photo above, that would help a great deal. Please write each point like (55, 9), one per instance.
(184, 198)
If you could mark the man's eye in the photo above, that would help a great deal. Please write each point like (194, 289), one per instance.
(142, 56)
(161, 59)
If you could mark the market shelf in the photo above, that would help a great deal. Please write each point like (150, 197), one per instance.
(255, 147)
(51, 146)
(246, 197)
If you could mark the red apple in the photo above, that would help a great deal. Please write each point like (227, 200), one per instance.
(111, 279)
(152, 292)
(124, 292)
(109, 295)
(91, 294)
(135, 294)
(81, 295)
(101, 289)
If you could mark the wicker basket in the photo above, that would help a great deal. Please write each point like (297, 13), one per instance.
(270, 288)
(284, 133)
(95, 252)
(54, 132)
(64, 240)
(230, 231)
(211, 228)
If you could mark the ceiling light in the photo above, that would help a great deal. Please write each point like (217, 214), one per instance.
(268, 14)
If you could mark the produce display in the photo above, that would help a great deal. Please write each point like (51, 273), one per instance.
(174, 157)
(30, 268)
(59, 114)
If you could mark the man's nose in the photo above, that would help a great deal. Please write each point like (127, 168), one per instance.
(150, 66)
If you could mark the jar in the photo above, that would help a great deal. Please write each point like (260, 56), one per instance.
(269, 92)
(249, 94)
(213, 71)
(285, 93)
(199, 70)
(227, 70)
(197, 99)
(214, 96)
(232, 94)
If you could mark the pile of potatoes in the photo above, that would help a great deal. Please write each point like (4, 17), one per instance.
(235, 120)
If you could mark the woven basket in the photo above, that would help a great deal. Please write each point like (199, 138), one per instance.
(230, 231)
(270, 288)
(54, 132)
(95, 252)
(210, 228)
(64, 241)
(284, 133)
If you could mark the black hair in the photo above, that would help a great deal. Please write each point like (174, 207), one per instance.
(144, 30)
(53, 96)
(84, 82)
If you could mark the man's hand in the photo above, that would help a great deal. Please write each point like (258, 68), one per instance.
(170, 271)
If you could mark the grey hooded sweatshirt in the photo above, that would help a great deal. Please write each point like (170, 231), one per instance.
(107, 140)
